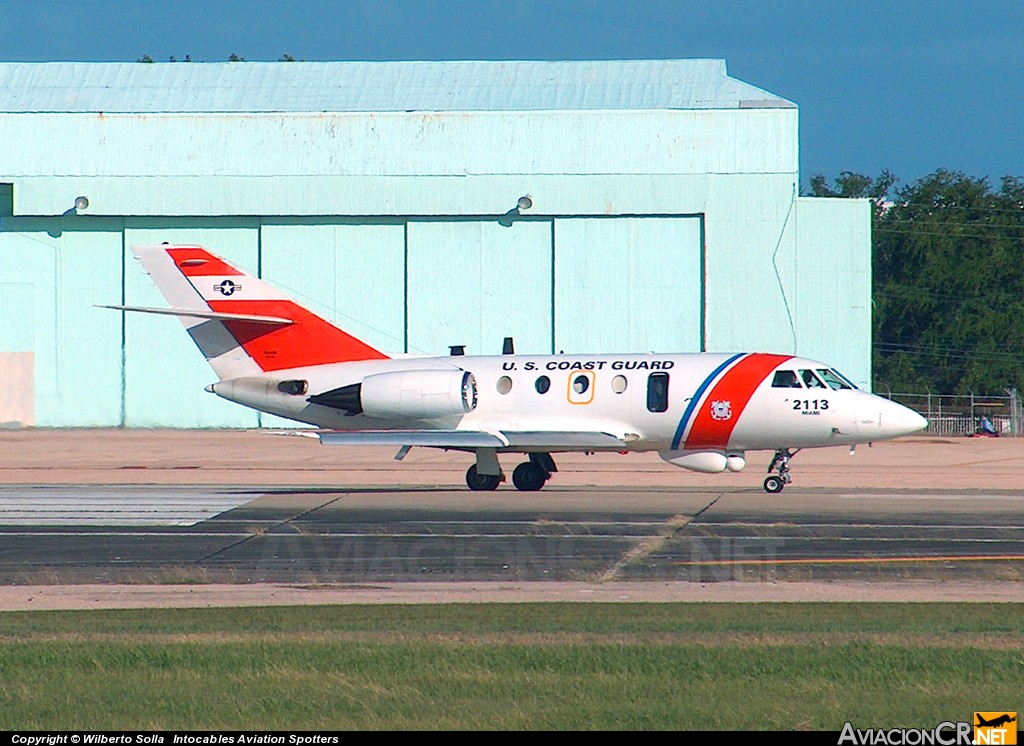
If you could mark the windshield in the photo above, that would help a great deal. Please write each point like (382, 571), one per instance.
(786, 379)
(810, 380)
(834, 380)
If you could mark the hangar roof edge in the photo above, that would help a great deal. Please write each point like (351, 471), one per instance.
(269, 87)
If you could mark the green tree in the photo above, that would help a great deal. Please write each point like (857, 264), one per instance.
(948, 286)
(852, 184)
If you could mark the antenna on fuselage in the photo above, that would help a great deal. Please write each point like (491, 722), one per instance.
(508, 347)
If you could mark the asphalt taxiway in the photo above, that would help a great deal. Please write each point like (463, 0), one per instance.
(234, 534)
(193, 511)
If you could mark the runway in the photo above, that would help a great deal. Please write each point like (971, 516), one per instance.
(390, 534)
(112, 518)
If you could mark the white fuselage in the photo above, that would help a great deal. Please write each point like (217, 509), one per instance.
(699, 411)
(666, 402)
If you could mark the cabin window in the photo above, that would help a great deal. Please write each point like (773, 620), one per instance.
(619, 384)
(810, 380)
(786, 379)
(581, 388)
(504, 385)
(542, 384)
(657, 392)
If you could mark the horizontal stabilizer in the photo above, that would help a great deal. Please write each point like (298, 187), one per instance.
(196, 314)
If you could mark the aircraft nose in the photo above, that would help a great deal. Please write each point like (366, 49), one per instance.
(895, 420)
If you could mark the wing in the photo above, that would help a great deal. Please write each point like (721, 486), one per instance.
(430, 438)
(469, 439)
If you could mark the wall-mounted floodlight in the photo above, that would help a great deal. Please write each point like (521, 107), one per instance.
(81, 203)
(525, 202)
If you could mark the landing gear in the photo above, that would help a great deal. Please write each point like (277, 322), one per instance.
(481, 482)
(531, 475)
(780, 463)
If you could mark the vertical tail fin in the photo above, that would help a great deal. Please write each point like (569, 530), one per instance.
(248, 326)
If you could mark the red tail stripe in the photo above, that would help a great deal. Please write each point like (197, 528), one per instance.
(310, 340)
(211, 266)
(735, 387)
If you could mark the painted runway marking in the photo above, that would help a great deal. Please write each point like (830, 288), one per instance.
(88, 506)
(128, 533)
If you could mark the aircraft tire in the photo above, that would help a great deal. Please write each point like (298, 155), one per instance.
(481, 482)
(529, 477)
(773, 485)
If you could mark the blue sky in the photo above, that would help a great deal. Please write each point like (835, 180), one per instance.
(905, 86)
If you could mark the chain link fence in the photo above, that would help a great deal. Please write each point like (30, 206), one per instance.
(967, 414)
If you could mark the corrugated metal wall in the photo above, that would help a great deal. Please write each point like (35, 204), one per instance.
(673, 228)
(49, 281)
(569, 283)
(832, 298)
(347, 144)
(419, 286)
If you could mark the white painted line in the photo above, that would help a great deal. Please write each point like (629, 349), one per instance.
(119, 507)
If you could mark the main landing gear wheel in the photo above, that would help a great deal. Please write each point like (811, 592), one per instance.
(481, 482)
(780, 463)
(529, 476)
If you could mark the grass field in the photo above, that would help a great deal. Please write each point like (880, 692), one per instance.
(506, 666)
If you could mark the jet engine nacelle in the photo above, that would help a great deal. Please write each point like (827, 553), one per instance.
(707, 462)
(418, 394)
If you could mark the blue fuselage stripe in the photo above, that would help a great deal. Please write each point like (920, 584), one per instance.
(696, 399)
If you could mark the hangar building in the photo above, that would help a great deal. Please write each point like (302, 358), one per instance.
(663, 214)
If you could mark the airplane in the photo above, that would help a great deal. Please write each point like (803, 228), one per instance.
(994, 722)
(699, 411)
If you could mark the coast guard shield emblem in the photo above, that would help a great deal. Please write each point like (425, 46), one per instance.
(721, 410)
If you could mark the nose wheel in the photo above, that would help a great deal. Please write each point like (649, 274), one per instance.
(780, 463)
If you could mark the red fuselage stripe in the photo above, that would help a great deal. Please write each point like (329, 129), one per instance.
(721, 409)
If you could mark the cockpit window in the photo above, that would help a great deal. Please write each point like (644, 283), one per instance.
(846, 380)
(810, 380)
(786, 379)
(833, 380)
